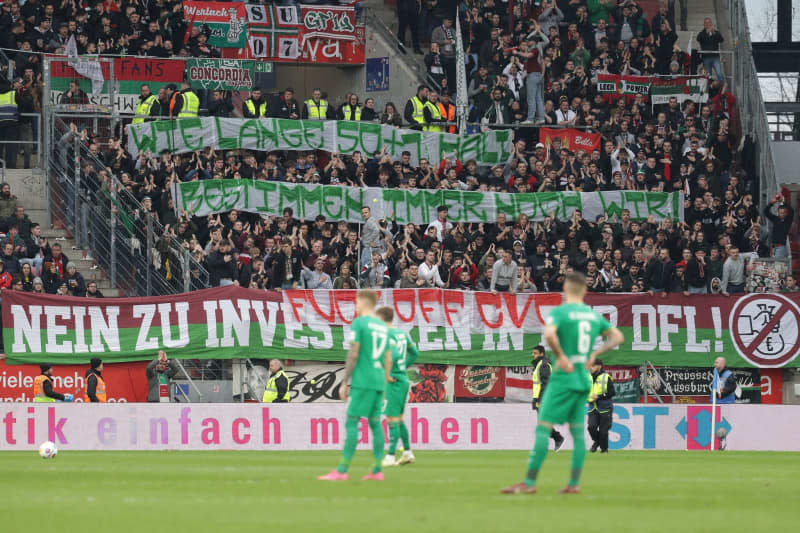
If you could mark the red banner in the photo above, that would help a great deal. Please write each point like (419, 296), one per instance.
(477, 382)
(318, 34)
(126, 382)
(129, 69)
(571, 139)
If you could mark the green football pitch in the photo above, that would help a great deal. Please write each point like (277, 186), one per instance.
(198, 492)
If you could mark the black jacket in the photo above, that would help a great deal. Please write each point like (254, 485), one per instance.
(47, 387)
(282, 384)
(91, 384)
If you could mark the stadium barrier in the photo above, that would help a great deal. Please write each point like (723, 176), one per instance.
(321, 427)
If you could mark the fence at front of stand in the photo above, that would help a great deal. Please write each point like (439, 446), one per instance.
(104, 216)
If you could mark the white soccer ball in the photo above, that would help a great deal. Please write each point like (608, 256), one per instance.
(48, 450)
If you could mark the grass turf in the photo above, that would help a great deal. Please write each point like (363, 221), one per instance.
(197, 492)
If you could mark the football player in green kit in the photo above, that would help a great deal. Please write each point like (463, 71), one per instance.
(570, 331)
(404, 353)
(368, 363)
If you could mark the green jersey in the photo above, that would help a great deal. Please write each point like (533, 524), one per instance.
(372, 336)
(577, 327)
(404, 353)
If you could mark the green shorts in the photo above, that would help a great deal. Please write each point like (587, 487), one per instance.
(396, 395)
(365, 403)
(561, 405)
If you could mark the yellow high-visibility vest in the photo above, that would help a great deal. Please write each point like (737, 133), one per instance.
(599, 387)
(191, 105)
(271, 390)
(143, 109)
(537, 384)
(418, 115)
(8, 106)
(251, 106)
(436, 114)
(348, 113)
(317, 110)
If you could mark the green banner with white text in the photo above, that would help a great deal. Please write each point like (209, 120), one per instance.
(449, 326)
(344, 137)
(416, 206)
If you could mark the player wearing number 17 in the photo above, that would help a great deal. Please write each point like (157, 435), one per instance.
(368, 363)
(570, 330)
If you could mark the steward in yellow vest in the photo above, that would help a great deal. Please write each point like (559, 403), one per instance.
(315, 108)
(256, 105)
(186, 104)
(9, 110)
(414, 113)
(601, 407)
(277, 389)
(43, 387)
(542, 369)
(432, 114)
(145, 106)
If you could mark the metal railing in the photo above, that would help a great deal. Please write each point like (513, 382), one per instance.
(103, 215)
(411, 60)
(746, 87)
(28, 142)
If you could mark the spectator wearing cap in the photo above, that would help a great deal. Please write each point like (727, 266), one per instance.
(38, 286)
(74, 280)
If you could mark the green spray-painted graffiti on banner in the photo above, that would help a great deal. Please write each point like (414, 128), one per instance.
(413, 206)
(344, 137)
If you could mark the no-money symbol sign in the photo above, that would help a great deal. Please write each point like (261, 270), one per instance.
(764, 329)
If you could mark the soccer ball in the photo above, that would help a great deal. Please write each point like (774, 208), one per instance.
(48, 450)
(722, 433)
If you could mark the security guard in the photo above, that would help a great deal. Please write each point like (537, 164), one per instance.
(541, 375)
(317, 108)
(350, 110)
(43, 387)
(601, 407)
(9, 125)
(433, 117)
(277, 389)
(184, 104)
(95, 385)
(447, 110)
(414, 112)
(146, 101)
(256, 105)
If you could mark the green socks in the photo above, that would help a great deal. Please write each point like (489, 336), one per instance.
(404, 435)
(350, 443)
(538, 453)
(378, 442)
(578, 455)
(394, 435)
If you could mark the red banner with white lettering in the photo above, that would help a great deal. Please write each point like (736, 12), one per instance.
(571, 139)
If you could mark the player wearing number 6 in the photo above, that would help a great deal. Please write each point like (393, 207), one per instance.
(570, 330)
(404, 353)
(369, 361)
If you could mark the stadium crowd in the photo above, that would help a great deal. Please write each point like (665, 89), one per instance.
(541, 73)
